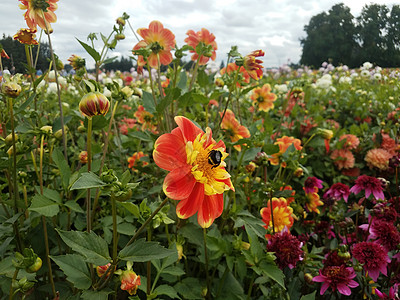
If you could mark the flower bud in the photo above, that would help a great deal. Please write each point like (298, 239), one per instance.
(120, 36)
(8, 139)
(94, 104)
(298, 173)
(47, 129)
(11, 89)
(130, 282)
(58, 133)
(325, 133)
(35, 266)
(101, 270)
(83, 157)
(121, 21)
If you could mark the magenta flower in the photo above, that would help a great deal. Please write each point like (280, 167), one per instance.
(287, 249)
(337, 277)
(370, 185)
(373, 257)
(385, 234)
(392, 293)
(311, 183)
(338, 191)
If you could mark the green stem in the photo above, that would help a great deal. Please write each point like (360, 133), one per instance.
(194, 74)
(272, 212)
(46, 243)
(89, 164)
(147, 222)
(206, 263)
(130, 26)
(11, 296)
(115, 233)
(148, 288)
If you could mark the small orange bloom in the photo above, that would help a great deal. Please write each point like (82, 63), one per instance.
(313, 201)
(232, 68)
(160, 40)
(134, 160)
(83, 157)
(342, 158)
(34, 14)
(282, 215)
(26, 36)
(284, 143)
(146, 119)
(263, 97)
(233, 129)
(351, 142)
(130, 281)
(389, 144)
(197, 177)
(378, 158)
(252, 65)
(205, 37)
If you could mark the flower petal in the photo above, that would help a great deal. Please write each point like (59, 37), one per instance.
(210, 209)
(169, 152)
(189, 130)
(188, 207)
(179, 183)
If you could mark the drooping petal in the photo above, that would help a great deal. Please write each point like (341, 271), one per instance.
(188, 207)
(210, 209)
(324, 287)
(169, 152)
(189, 130)
(179, 183)
(343, 289)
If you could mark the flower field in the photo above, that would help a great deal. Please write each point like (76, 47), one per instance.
(239, 182)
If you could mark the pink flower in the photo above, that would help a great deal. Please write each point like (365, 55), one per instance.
(311, 183)
(337, 277)
(287, 249)
(385, 234)
(373, 256)
(394, 290)
(338, 191)
(370, 185)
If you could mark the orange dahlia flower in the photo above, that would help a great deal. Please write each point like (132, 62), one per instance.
(135, 159)
(284, 143)
(197, 175)
(205, 37)
(313, 201)
(263, 97)
(146, 119)
(378, 158)
(36, 9)
(130, 281)
(160, 41)
(26, 36)
(282, 215)
(233, 128)
(343, 158)
(351, 142)
(252, 65)
(232, 68)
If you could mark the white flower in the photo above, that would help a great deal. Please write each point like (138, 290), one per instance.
(107, 92)
(367, 65)
(377, 76)
(365, 73)
(281, 88)
(345, 79)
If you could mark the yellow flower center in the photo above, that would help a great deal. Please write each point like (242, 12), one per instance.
(202, 170)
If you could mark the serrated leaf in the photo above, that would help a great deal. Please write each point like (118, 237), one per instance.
(62, 165)
(132, 208)
(166, 290)
(24, 105)
(74, 206)
(44, 206)
(87, 180)
(309, 296)
(91, 246)
(273, 272)
(92, 52)
(141, 251)
(95, 295)
(75, 269)
(141, 136)
(148, 102)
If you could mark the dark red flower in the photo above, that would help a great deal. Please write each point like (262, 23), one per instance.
(338, 191)
(337, 277)
(311, 183)
(370, 185)
(287, 249)
(385, 233)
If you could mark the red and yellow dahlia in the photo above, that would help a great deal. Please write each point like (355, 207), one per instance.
(263, 97)
(26, 36)
(252, 65)
(160, 41)
(197, 176)
(205, 37)
(233, 128)
(35, 10)
(284, 143)
(282, 215)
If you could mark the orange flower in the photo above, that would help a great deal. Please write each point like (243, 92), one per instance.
(252, 65)
(343, 158)
(378, 158)
(26, 36)
(130, 281)
(135, 159)
(232, 68)
(101, 270)
(205, 37)
(233, 128)
(160, 41)
(83, 157)
(389, 144)
(36, 10)
(288, 188)
(282, 215)
(351, 142)
(313, 201)
(3, 53)
(197, 176)
(284, 143)
(146, 119)
(263, 97)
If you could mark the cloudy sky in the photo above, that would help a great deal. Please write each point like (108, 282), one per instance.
(274, 26)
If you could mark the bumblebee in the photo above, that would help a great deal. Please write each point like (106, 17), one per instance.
(214, 158)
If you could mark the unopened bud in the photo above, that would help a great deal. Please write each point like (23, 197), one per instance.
(94, 104)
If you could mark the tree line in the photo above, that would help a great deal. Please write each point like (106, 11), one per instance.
(340, 38)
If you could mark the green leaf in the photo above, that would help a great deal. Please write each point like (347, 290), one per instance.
(95, 295)
(148, 102)
(92, 52)
(171, 94)
(182, 80)
(75, 269)
(273, 272)
(166, 290)
(141, 251)
(189, 288)
(44, 206)
(143, 136)
(87, 180)
(200, 98)
(62, 165)
(74, 206)
(202, 78)
(251, 154)
(309, 296)
(98, 122)
(25, 104)
(132, 208)
(89, 245)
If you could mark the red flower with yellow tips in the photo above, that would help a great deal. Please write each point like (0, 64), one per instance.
(205, 37)
(34, 13)
(26, 36)
(160, 41)
(252, 65)
(263, 97)
(233, 128)
(197, 177)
